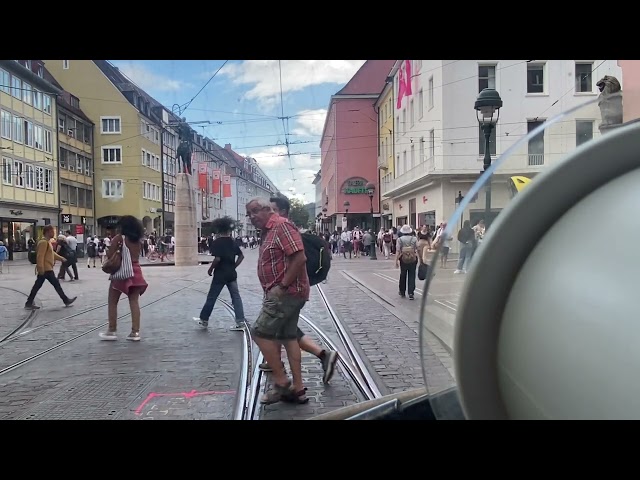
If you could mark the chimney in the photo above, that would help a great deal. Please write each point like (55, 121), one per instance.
(227, 146)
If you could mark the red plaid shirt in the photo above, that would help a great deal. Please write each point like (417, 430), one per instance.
(281, 239)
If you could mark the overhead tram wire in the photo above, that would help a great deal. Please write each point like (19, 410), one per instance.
(186, 105)
(285, 121)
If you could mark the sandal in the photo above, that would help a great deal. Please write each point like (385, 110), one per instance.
(299, 397)
(278, 393)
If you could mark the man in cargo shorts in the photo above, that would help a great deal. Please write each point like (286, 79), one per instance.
(282, 272)
(328, 358)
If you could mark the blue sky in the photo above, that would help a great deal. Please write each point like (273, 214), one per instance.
(242, 102)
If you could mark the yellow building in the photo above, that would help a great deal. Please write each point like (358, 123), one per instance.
(29, 155)
(75, 166)
(127, 141)
(384, 107)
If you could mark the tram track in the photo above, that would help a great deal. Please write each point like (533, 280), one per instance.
(28, 318)
(56, 346)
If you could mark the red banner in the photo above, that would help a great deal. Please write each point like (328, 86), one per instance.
(216, 182)
(202, 176)
(226, 186)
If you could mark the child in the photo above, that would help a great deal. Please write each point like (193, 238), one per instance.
(226, 258)
(4, 254)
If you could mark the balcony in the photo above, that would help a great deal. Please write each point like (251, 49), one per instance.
(410, 176)
(536, 159)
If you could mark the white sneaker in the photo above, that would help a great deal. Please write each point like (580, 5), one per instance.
(108, 336)
(202, 323)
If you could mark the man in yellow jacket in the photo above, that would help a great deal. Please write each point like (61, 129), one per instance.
(46, 258)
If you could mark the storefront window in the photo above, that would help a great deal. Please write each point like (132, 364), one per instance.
(23, 236)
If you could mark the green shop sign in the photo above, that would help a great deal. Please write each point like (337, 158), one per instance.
(355, 186)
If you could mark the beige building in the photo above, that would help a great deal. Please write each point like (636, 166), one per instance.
(28, 154)
(127, 142)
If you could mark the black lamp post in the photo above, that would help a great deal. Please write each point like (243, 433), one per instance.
(371, 189)
(488, 112)
(458, 200)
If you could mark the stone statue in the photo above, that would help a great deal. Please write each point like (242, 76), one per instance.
(610, 102)
(184, 148)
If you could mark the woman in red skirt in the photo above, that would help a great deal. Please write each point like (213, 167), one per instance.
(131, 233)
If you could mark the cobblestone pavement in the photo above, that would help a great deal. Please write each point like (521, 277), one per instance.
(177, 371)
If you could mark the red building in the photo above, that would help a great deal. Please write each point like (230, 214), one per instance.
(349, 149)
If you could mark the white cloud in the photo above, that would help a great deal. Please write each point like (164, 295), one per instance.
(310, 122)
(263, 76)
(148, 80)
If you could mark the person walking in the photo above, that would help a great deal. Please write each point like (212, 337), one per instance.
(130, 236)
(45, 260)
(227, 257)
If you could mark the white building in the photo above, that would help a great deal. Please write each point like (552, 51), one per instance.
(438, 144)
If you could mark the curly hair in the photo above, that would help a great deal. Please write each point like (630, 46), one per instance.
(131, 227)
(223, 225)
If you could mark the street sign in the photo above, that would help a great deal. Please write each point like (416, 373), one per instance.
(66, 218)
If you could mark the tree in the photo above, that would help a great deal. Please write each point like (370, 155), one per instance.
(298, 213)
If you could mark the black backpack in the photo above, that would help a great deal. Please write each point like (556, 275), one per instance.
(318, 257)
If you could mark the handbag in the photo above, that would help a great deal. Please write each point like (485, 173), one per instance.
(126, 265)
(112, 264)
(423, 270)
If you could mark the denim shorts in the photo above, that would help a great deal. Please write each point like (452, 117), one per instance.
(278, 317)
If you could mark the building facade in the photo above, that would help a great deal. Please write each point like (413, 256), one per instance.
(29, 154)
(385, 110)
(128, 147)
(349, 148)
(75, 166)
(438, 143)
(248, 181)
(319, 205)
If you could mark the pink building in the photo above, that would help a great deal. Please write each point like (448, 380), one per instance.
(630, 89)
(349, 148)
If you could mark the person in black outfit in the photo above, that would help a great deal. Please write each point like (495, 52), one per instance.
(227, 257)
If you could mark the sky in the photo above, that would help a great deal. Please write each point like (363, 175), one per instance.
(243, 103)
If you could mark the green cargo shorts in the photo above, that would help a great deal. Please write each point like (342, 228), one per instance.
(278, 317)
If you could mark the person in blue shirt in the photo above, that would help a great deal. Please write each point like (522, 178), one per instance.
(4, 254)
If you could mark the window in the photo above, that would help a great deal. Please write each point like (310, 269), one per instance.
(26, 93)
(30, 177)
(412, 113)
(18, 130)
(584, 131)
(584, 78)
(430, 92)
(48, 180)
(4, 81)
(420, 103)
(46, 102)
(397, 129)
(16, 87)
(421, 152)
(432, 143)
(111, 188)
(38, 137)
(492, 142)
(62, 158)
(6, 171)
(535, 78)
(404, 162)
(39, 179)
(88, 164)
(536, 144)
(61, 124)
(48, 141)
(79, 164)
(112, 154)
(28, 133)
(110, 125)
(404, 120)
(413, 156)
(87, 134)
(37, 99)
(486, 77)
(18, 174)
(5, 120)
(65, 64)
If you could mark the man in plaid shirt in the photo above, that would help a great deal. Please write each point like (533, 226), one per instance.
(282, 272)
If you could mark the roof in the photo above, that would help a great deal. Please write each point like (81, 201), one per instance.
(64, 100)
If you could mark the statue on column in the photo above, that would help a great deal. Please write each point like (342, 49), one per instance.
(184, 147)
(610, 102)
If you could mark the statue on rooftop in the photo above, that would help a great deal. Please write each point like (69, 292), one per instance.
(610, 102)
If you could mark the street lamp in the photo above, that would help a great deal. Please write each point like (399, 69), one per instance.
(371, 189)
(487, 108)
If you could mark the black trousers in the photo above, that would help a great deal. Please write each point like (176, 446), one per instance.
(51, 277)
(407, 274)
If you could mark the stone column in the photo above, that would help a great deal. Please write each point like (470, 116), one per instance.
(186, 230)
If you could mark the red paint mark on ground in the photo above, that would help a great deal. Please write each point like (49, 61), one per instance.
(186, 395)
